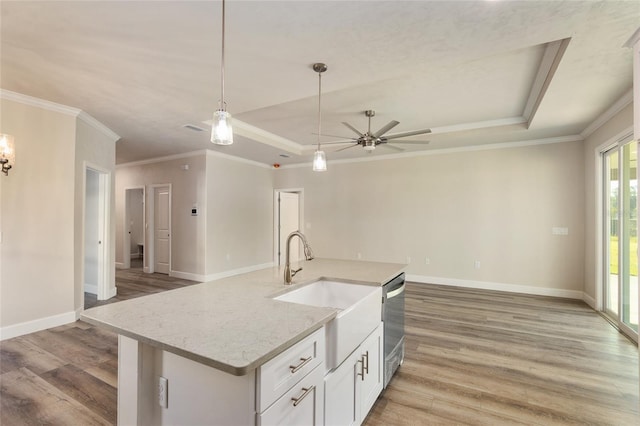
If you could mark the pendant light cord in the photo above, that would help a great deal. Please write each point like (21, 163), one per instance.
(319, 107)
(222, 106)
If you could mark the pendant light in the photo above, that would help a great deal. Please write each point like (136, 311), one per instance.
(319, 158)
(221, 130)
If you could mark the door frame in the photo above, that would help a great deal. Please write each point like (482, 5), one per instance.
(616, 142)
(276, 217)
(126, 238)
(150, 252)
(104, 227)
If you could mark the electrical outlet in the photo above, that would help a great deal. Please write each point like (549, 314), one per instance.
(427, 261)
(476, 264)
(359, 256)
(408, 259)
(163, 389)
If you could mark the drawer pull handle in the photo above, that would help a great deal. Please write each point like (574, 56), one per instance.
(299, 399)
(303, 362)
(366, 363)
(361, 373)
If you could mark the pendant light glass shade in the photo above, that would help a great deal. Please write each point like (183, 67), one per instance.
(319, 162)
(319, 158)
(221, 130)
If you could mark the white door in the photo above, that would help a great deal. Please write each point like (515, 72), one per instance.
(91, 232)
(96, 236)
(162, 229)
(289, 221)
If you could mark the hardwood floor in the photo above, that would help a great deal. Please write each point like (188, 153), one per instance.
(68, 375)
(479, 357)
(473, 357)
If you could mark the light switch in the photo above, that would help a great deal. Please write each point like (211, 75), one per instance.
(558, 230)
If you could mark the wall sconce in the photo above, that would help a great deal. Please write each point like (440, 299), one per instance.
(7, 153)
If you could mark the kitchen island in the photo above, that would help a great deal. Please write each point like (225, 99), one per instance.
(222, 331)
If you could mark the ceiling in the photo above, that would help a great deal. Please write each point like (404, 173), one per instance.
(475, 72)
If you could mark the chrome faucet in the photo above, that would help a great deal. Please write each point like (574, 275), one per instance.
(308, 255)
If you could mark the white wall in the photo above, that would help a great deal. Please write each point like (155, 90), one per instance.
(239, 215)
(233, 231)
(617, 125)
(496, 206)
(94, 147)
(37, 216)
(42, 201)
(188, 187)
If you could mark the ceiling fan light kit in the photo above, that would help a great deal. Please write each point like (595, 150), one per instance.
(319, 157)
(221, 129)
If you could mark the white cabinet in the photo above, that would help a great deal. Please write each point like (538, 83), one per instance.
(353, 387)
(295, 381)
(303, 404)
(279, 374)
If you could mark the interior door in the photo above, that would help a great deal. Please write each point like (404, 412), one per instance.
(289, 221)
(162, 229)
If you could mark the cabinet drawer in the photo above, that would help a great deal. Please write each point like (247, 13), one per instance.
(278, 375)
(307, 395)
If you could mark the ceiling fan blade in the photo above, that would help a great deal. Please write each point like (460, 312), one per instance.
(412, 142)
(353, 128)
(386, 128)
(346, 147)
(334, 136)
(388, 145)
(406, 134)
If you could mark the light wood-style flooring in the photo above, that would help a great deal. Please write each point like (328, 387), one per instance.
(473, 357)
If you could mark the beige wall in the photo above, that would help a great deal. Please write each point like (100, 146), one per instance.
(37, 248)
(97, 150)
(239, 215)
(496, 206)
(620, 124)
(41, 254)
(234, 226)
(188, 187)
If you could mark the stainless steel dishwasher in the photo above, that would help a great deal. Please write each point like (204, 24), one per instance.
(393, 317)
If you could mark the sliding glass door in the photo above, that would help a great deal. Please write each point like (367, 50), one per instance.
(621, 236)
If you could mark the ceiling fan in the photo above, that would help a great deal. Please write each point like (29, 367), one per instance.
(369, 140)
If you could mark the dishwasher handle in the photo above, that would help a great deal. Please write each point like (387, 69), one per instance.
(396, 292)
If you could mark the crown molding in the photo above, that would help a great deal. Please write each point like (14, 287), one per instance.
(37, 102)
(206, 152)
(413, 154)
(633, 39)
(617, 106)
(161, 159)
(63, 109)
(88, 119)
(238, 159)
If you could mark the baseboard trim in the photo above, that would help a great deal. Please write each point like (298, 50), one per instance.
(232, 272)
(40, 324)
(217, 276)
(91, 288)
(590, 301)
(486, 285)
(119, 265)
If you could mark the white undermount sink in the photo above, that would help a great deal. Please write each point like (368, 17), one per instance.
(360, 313)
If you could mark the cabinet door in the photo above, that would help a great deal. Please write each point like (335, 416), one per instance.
(303, 404)
(340, 404)
(370, 363)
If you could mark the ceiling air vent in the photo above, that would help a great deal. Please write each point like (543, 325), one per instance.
(194, 128)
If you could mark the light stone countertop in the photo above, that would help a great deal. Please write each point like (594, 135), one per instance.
(233, 324)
